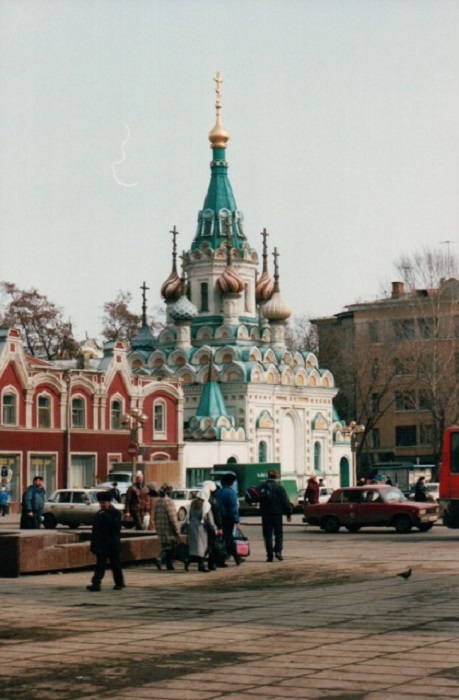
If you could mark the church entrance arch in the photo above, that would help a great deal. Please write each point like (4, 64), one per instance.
(344, 472)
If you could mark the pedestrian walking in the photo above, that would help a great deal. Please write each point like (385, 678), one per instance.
(33, 502)
(137, 501)
(311, 495)
(4, 500)
(272, 508)
(200, 524)
(106, 543)
(217, 556)
(229, 508)
(420, 490)
(167, 527)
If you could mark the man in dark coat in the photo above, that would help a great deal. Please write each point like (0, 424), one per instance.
(420, 490)
(33, 502)
(137, 501)
(106, 543)
(273, 506)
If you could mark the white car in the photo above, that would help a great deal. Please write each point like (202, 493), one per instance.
(72, 507)
(182, 499)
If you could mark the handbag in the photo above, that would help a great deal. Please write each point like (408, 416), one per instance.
(180, 550)
(242, 544)
(219, 551)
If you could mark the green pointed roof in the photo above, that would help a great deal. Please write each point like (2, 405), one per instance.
(212, 403)
(219, 203)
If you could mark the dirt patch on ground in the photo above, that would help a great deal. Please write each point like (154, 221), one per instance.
(80, 680)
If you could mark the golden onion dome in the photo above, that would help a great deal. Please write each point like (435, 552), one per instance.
(218, 137)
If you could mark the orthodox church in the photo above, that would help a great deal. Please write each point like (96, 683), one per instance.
(247, 397)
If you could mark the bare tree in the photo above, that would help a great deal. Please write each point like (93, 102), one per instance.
(44, 331)
(301, 334)
(119, 323)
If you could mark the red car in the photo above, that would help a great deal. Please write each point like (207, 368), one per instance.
(371, 506)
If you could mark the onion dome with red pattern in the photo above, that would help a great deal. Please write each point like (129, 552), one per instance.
(230, 282)
(276, 309)
(264, 288)
(170, 289)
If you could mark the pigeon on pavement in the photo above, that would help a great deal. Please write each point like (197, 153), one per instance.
(405, 574)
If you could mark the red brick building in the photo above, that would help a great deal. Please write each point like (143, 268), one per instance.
(64, 422)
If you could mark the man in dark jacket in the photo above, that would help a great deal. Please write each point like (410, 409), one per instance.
(273, 505)
(420, 490)
(137, 501)
(226, 498)
(33, 502)
(106, 543)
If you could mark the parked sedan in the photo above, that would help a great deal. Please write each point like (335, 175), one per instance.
(72, 507)
(371, 506)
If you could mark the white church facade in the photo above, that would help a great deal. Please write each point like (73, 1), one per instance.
(248, 398)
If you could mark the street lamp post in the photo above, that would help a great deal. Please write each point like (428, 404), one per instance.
(133, 421)
(67, 377)
(353, 429)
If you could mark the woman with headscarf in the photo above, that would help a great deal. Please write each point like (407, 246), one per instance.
(217, 550)
(200, 522)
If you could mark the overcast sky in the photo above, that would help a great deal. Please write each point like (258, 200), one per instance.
(343, 117)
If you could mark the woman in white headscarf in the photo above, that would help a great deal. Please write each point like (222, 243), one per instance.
(200, 522)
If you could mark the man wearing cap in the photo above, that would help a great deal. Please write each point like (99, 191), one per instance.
(137, 501)
(106, 543)
(272, 508)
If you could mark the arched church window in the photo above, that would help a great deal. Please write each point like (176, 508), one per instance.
(204, 296)
(317, 456)
(262, 451)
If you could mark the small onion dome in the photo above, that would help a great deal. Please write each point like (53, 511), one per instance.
(218, 137)
(144, 340)
(183, 310)
(172, 287)
(230, 282)
(276, 309)
(264, 288)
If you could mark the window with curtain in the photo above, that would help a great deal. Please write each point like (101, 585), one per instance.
(78, 412)
(44, 412)
(9, 409)
(159, 413)
(116, 413)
